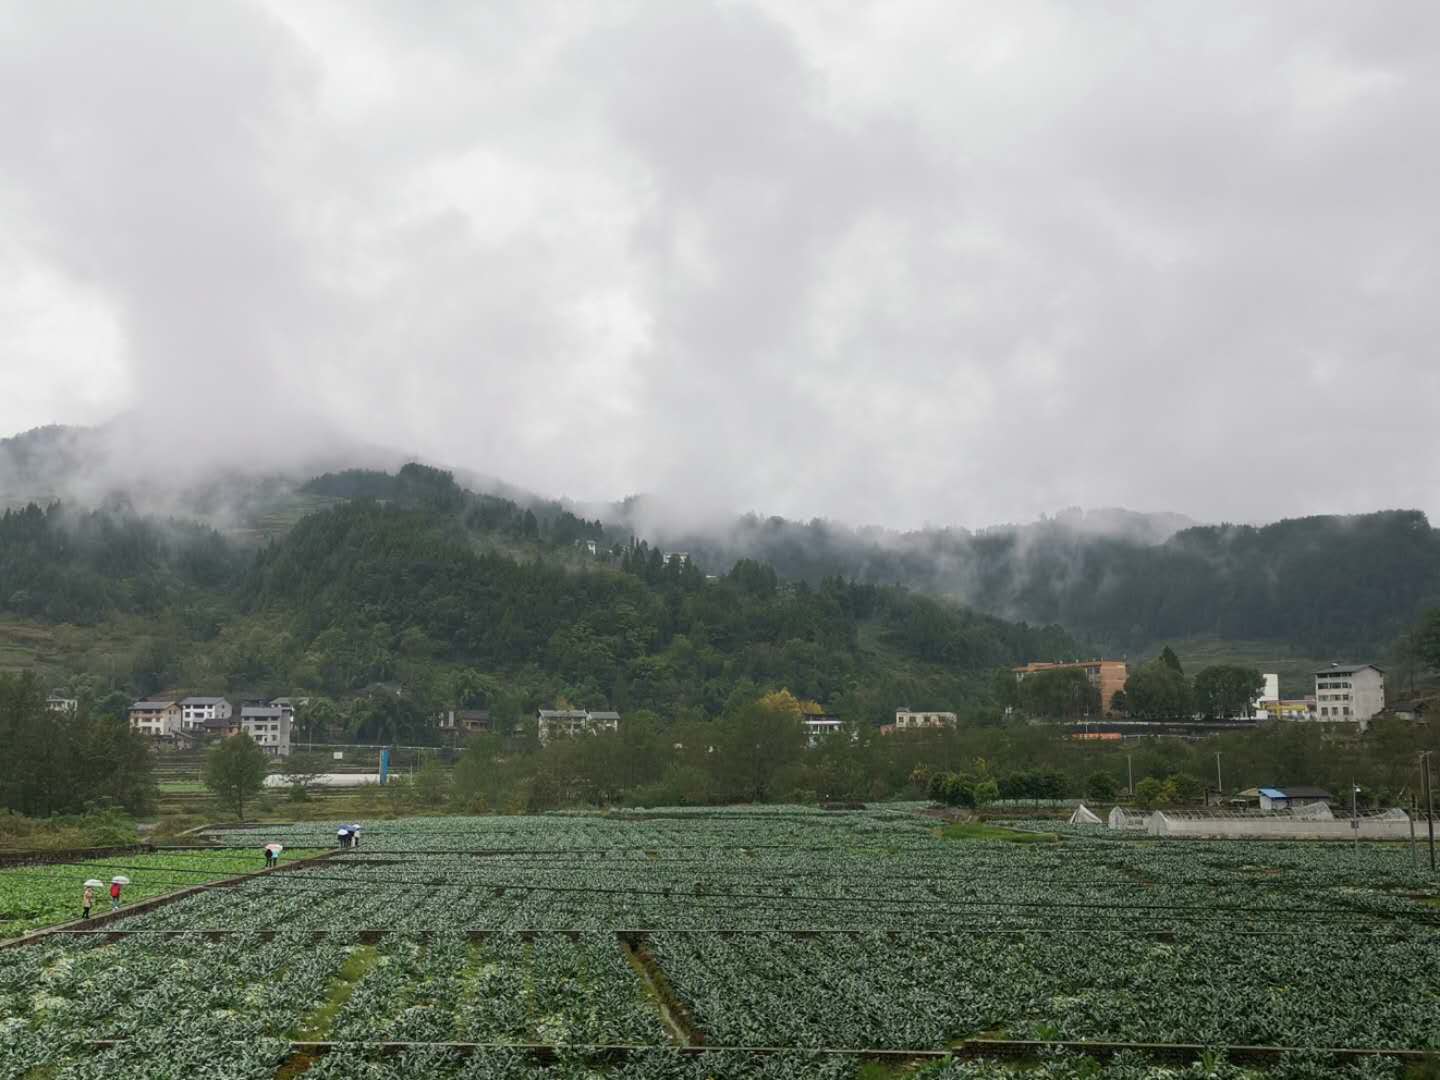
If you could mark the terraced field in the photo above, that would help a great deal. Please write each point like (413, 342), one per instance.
(748, 943)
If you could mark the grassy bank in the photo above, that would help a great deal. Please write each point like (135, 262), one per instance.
(974, 830)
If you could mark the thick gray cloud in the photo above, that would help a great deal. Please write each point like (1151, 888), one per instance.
(889, 262)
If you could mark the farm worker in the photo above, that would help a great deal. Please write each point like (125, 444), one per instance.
(269, 858)
(344, 837)
(115, 896)
(89, 900)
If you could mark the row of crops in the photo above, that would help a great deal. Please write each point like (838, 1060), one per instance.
(1076, 886)
(892, 990)
(801, 931)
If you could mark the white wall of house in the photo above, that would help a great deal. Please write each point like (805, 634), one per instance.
(1349, 694)
(156, 723)
(907, 718)
(194, 712)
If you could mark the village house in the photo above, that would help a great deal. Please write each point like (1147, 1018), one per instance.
(1290, 797)
(269, 726)
(157, 719)
(222, 727)
(1349, 693)
(465, 721)
(57, 702)
(551, 723)
(908, 719)
(194, 711)
(819, 726)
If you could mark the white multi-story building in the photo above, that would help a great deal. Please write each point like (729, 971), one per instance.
(562, 722)
(58, 702)
(1264, 705)
(818, 727)
(1349, 693)
(910, 719)
(269, 726)
(194, 711)
(158, 719)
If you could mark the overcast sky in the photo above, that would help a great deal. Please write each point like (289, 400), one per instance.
(892, 262)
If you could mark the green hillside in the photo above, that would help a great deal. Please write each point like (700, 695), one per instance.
(457, 599)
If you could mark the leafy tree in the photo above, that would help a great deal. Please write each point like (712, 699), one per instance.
(236, 769)
(1186, 788)
(1101, 787)
(1170, 660)
(1426, 639)
(56, 763)
(432, 784)
(1150, 793)
(753, 744)
(1061, 693)
(1227, 690)
(954, 789)
(1157, 691)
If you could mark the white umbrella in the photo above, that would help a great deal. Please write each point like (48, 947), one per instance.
(354, 828)
(276, 848)
(119, 879)
(94, 883)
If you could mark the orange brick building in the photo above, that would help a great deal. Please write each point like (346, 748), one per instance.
(1107, 676)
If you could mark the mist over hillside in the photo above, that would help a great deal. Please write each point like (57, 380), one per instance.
(223, 473)
(1119, 579)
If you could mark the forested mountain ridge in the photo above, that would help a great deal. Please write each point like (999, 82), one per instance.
(413, 593)
(1323, 584)
(1123, 581)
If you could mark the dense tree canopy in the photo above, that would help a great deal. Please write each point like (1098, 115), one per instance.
(67, 762)
(1123, 590)
(754, 750)
(235, 771)
(1157, 691)
(369, 591)
(385, 609)
(70, 566)
(1227, 690)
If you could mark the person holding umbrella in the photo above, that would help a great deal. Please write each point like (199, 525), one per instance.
(342, 834)
(116, 884)
(355, 835)
(272, 854)
(88, 897)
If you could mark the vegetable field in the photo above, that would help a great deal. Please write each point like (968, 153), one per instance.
(732, 943)
(42, 894)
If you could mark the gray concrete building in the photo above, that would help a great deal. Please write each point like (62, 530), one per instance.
(269, 726)
(1349, 693)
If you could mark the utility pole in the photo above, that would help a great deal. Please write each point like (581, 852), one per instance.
(1130, 771)
(1429, 806)
(1219, 786)
(1355, 816)
(1414, 855)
